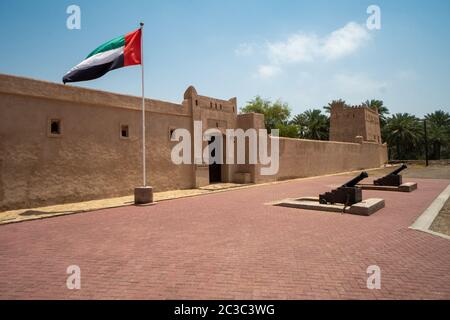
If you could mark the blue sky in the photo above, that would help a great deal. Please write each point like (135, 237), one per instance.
(304, 52)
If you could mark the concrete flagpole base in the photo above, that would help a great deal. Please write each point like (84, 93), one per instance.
(143, 195)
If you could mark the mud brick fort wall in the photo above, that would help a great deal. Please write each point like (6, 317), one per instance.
(90, 158)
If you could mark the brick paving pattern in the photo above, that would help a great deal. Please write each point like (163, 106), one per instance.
(231, 246)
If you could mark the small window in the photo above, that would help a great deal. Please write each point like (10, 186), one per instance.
(54, 128)
(196, 102)
(210, 105)
(124, 131)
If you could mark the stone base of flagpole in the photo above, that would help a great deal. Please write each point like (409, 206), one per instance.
(143, 196)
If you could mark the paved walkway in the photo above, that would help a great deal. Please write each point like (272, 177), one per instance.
(230, 245)
(19, 215)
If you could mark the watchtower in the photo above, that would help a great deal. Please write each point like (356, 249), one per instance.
(348, 122)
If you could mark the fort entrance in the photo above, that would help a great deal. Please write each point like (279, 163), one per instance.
(215, 169)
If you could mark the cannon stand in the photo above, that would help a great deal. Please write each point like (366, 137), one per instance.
(345, 199)
(347, 194)
(391, 182)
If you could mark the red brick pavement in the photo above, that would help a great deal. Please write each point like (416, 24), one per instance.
(230, 246)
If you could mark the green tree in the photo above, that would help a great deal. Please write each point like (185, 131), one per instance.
(404, 135)
(312, 124)
(276, 114)
(383, 111)
(378, 105)
(288, 130)
(438, 129)
(327, 108)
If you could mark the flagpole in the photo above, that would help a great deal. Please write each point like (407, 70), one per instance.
(144, 173)
(143, 195)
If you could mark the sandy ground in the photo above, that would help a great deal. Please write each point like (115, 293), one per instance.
(416, 171)
(442, 222)
(71, 208)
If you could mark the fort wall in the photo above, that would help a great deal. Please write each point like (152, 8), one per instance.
(91, 159)
(305, 158)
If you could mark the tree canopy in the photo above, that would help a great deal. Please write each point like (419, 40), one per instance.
(439, 132)
(312, 124)
(276, 114)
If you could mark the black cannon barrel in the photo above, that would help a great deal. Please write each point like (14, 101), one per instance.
(400, 169)
(355, 180)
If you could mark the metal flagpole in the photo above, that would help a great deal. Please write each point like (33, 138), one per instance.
(143, 195)
(143, 108)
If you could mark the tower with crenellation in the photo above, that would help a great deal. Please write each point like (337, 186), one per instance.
(348, 122)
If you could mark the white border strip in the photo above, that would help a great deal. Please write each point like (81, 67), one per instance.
(424, 222)
(99, 59)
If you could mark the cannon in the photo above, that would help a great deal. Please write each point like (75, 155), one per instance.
(392, 179)
(347, 194)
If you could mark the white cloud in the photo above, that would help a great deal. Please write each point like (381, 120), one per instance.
(301, 47)
(306, 48)
(245, 49)
(344, 41)
(268, 71)
(297, 48)
(359, 87)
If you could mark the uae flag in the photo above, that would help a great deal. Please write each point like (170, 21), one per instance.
(119, 52)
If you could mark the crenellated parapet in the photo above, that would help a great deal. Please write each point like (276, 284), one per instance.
(347, 122)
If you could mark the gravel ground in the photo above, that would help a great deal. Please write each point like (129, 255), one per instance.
(442, 222)
(431, 172)
(417, 171)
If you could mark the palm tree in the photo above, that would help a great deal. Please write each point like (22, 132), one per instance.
(404, 131)
(312, 125)
(327, 108)
(383, 111)
(377, 105)
(439, 131)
